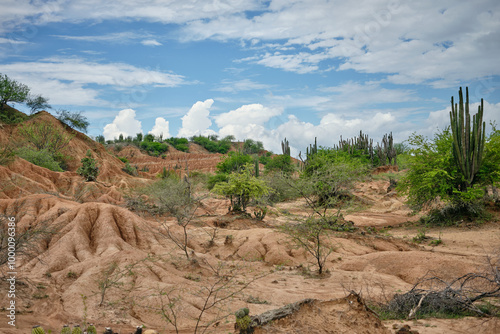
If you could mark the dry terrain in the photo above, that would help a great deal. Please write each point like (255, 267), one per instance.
(91, 231)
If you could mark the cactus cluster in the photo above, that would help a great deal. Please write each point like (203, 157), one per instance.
(91, 329)
(66, 330)
(468, 138)
(37, 330)
(76, 330)
(242, 320)
(285, 147)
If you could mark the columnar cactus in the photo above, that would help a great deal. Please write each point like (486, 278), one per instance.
(468, 139)
(37, 330)
(285, 147)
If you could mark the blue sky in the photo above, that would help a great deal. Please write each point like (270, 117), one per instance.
(264, 70)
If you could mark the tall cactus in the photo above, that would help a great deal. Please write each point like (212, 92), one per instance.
(285, 147)
(468, 138)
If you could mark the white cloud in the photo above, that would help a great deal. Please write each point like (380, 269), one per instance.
(161, 127)
(440, 119)
(151, 42)
(197, 121)
(124, 123)
(67, 80)
(247, 114)
(440, 43)
(240, 85)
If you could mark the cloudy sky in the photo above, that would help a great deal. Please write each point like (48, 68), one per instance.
(256, 69)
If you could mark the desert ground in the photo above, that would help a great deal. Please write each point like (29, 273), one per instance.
(246, 263)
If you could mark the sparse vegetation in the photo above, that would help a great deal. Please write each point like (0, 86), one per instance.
(74, 120)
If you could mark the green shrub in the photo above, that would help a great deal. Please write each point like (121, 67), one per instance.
(180, 144)
(89, 168)
(280, 163)
(42, 158)
(213, 145)
(129, 169)
(6, 155)
(153, 148)
(241, 188)
(235, 161)
(251, 146)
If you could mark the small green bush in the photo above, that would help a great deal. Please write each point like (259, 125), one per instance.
(89, 168)
(129, 169)
(42, 158)
(154, 148)
(180, 144)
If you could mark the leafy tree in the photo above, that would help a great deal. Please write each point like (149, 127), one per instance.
(74, 120)
(138, 137)
(100, 139)
(12, 91)
(331, 173)
(241, 188)
(37, 103)
(149, 138)
(251, 146)
(235, 161)
(89, 168)
(280, 163)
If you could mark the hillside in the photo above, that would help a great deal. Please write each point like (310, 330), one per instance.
(86, 236)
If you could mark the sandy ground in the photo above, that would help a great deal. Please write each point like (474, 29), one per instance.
(247, 263)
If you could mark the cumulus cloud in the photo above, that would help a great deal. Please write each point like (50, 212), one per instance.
(197, 120)
(124, 123)
(161, 127)
(247, 114)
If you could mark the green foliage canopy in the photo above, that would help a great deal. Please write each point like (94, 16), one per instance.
(241, 188)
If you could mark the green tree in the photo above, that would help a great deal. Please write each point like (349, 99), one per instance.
(235, 161)
(37, 103)
(251, 146)
(281, 163)
(330, 175)
(432, 171)
(89, 168)
(74, 120)
(100, 139)
(12, 91)
(241, 188)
